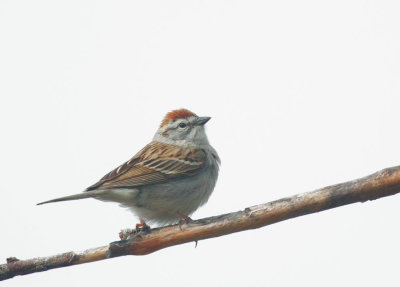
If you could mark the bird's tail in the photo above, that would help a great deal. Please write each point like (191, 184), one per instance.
(70, 197)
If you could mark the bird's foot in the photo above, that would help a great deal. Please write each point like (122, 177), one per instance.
(128, 233)
(184, 220)
(142, 226)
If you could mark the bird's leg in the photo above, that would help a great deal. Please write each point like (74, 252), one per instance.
(129, 233)
(142, 226)
(184, 219)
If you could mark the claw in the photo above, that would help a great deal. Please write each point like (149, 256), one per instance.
(126, 233)
(185, 219)
(142, 226)
(130, 233)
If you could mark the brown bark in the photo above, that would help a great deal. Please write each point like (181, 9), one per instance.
(380, 184)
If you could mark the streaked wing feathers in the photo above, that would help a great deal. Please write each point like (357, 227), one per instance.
(155, 163)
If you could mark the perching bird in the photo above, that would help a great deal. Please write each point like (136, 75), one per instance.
(168, 179)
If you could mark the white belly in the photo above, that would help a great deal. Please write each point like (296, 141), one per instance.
(165, 203)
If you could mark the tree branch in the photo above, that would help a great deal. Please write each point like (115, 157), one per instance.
(383, 183)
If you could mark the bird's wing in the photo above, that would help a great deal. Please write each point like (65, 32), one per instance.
(155, 163)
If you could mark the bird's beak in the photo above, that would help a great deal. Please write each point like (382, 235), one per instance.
(202, 120)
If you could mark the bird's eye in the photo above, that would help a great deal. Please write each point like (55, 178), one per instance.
(182, 125)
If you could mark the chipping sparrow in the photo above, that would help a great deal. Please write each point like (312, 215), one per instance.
(169, 178)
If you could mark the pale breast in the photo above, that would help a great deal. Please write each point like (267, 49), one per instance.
(164, 202)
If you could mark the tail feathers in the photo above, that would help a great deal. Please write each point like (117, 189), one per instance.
(70, 197)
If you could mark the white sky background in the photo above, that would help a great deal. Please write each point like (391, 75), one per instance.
(303, 94)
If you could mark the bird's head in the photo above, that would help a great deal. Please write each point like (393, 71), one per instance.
(182, 127)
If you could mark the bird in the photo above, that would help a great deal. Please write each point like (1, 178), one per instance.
(166, 181)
